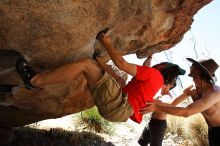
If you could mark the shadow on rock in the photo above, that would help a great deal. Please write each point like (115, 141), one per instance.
(8, 58)
(26, 136)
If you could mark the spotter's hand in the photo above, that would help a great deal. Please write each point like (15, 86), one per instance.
(188, 90)
(150, 107)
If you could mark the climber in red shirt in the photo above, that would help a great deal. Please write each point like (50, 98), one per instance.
(115, 101)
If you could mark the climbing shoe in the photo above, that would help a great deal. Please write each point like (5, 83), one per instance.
(25, 72)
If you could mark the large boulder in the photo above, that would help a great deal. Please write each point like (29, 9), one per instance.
(51, 33)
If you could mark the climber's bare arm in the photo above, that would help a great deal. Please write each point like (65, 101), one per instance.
(110, 71)
(148, 61)
(117, 58)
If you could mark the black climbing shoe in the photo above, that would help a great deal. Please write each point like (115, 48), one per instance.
(104, 31)
(6, 88)
(25, 72)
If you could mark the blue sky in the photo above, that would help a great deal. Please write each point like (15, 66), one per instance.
(205, 31)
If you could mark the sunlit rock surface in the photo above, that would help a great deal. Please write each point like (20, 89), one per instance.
(51, 33)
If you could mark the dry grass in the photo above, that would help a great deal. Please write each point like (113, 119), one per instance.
(175, 125)
(197, 131)
(193, 130)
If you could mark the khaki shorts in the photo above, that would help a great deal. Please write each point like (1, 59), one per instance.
(112, 103)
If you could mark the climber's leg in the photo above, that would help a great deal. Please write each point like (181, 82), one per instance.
(69, 72)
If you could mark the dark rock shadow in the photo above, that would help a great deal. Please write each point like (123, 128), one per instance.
(55, 137)
(8, 58)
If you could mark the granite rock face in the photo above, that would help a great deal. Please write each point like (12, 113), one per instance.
(51, 33)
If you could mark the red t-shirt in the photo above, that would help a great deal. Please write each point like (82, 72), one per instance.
(142, 89)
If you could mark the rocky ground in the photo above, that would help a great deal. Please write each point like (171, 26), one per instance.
(126, 134)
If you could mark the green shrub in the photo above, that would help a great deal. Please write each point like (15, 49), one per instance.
(93, 121)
